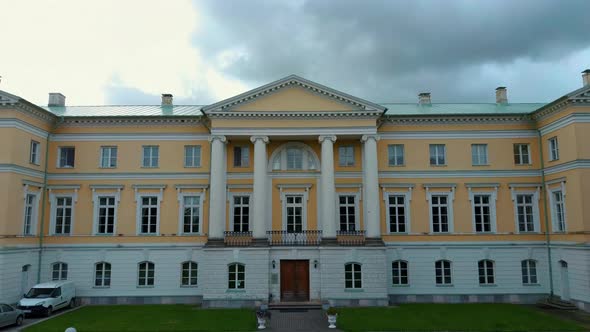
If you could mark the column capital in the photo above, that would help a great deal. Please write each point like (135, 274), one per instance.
(255, 138)
(365, 138)
(322, 138)
(221, 138)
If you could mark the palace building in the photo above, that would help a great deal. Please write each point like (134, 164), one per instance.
(297, 192)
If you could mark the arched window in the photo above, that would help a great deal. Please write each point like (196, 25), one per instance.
(294, 156)
(189, 274)
(353, 276)
(486, 272)
(236, 276)
(442, 270)
(399, 272)
(102, 274)
(59, 271)
(145, 275)
(529, 271)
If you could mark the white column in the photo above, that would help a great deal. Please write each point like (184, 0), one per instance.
(328, 188)
(371, 186)
(259, 200)
(217, 192)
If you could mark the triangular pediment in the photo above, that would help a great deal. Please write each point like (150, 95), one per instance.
(7, 98)
(580, 95)
(293, 93)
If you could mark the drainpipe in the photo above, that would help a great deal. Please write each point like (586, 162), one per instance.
(547, 235)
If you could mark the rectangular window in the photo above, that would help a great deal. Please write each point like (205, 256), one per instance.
(108, 157)
(241, 156)
(63, 215)
(102, 275)
(66, 156)
(192, 156)
(149, 214)
(191, 214)
(486, 272)
(35, 153)
(440, 213)
(237, 276)
(524, 212)
(553, 149)
(294, 213)
(241, 213)
(353, 276)
(59, 271)
(346, 155)
(438, 154)
(396, 205)
(529, 272)
(522, 154)
(395, 154)
(347, 210)
(189, 274)
(30, 214)
(443, 272)
(399, 273)
(146, 274)
(106, 215)
(479, 154)
(294, 158)
(558, 211)
(151, 156)
(482, 209)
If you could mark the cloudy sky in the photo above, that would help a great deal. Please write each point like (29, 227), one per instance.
(129, 52)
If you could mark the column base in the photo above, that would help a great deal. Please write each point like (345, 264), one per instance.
(329, 241)
(262, 242)
(374, 242)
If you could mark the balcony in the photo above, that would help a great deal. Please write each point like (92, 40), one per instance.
(350, 238)
(237, 239)
(301, 238)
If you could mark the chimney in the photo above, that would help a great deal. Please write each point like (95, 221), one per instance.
(586, 77)
(56, 99)
(166, 99)
(501, 95)
(424, 98)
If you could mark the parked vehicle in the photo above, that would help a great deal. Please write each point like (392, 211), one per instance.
(10, 315)
(47, 297)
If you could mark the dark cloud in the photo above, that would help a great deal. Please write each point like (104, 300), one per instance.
(388, 50)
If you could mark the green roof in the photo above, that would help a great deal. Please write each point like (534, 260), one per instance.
(125, 110)
(461, 109)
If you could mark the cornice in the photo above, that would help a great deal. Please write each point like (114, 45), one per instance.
(31, 111)
(127, 121)
(457, 119)
(360, 114)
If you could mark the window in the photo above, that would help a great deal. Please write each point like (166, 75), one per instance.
(102, 274)
(442, 271)
(346, 155)
(146, 272)
(149, 214)
(395, 154)
(189, 274)
(191, 213)
(237, 276)
(192, 156)
(525, 212)
(396, 206)
(59, 271)
(529, 272)
(6, 308)
(486, 272)
(151, 156)
(30, 214)
(106, 212)
(482, 213)
(437, 154)
(399, 273)
(66, 156)
(522, 154)
(479, 154)
(241, 156)
(108, 157)
(553, 149)
(558, 209)
(347, 210)
(352, 276)
(294, 213)
(35, 155)
(63, 215)
(294, 158)
(241, 213)
(439, 213)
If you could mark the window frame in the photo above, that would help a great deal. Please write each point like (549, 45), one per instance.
(53, 218)
(555, 223)
(525, 266)
(393, 148)
(407, 213)
(181, 207)
(346, 156)
(284, 203)
(189, 284)
(96, 196)
(493, 197)
(139, 204)
(109, 158)
(476, 153)
(488, 278)
(353, 276)
(443, 270)
(35, 152)
(450, 199)
(195, 162)
(278, 159)
(62, 268)
(244, 161)
(103, 272)
(518, 157)
(59, 157)
(400, 275)
(34, 215)
(151, 148)
(232, 206)
(553, 145)
(535, 210)
(239, 285)
(146, 284)
(355, 205)
(436, 155)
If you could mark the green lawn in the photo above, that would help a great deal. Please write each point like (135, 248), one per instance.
(451, 317)
(150, 318)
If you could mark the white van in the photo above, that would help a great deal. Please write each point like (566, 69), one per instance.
(47, 297)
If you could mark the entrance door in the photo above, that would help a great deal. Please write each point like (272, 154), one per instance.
(565, 282)
(294, 280)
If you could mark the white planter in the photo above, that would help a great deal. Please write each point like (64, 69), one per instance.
(261, 323)
(332, 321)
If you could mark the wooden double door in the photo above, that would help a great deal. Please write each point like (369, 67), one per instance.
(294, 280)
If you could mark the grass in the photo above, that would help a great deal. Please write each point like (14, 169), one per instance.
(451, 317)
(150, 318)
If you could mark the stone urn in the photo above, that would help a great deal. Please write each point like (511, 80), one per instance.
(261, 319)
(332, 317)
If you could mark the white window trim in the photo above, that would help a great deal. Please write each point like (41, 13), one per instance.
(357, 198)
(103, 278)
(400, 276)
(180, 196)
(451, 267)
(552, 202)
(35, 212)
(304, 201)
(407, 201)
(450, 199)
(57, 165)
(529, 283)
(553, 141)
(53, 202)
(520, 154)
(95, 202)
(37, 159)
(146, 275)
(60, 263)
(200, 156)
(353, 279)
(138, 199)
(100, 157)
(230, 197)
(190, 274)
(485, 155)
(536, 216)
(143, 150)
(486, 275)
(444, 155)
(493, 198)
